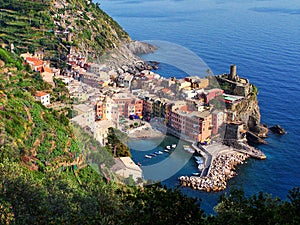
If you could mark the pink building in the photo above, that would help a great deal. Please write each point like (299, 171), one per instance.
(128, 104)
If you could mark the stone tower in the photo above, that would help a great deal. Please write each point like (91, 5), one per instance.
(232, 75)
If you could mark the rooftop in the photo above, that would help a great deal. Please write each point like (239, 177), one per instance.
(40, 93)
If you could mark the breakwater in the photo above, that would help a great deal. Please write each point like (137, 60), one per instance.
(220, 166)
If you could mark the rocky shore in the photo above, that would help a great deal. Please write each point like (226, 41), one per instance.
(221, 170)
(126, 57)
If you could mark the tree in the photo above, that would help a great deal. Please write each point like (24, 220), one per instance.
(117, 139)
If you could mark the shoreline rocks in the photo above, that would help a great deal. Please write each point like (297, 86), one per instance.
(222, 169)
(277, 129)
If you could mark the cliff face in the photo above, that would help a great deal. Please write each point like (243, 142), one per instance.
(247, 111)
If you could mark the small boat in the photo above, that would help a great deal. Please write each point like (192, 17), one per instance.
(166, 150)
(158, 153)
(153, 154)
(174, 145)
(200, 167)
(188, 149)
(148, 156)
(198, 160)
(196, 174)
(168, 147)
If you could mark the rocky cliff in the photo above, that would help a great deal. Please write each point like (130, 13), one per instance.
(247, 111)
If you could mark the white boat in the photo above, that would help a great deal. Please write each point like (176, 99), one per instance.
(148, 156)
(200, 167)
(174, 145)
(188, 149)
(168, 147)
(198, 160)
(196, 174)
(166, 150)
(158, 153)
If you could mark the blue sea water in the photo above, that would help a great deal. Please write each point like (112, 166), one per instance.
(262, 39)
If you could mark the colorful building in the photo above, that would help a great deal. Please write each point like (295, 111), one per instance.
(128, 104)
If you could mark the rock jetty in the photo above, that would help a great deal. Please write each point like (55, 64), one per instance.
(221, 170)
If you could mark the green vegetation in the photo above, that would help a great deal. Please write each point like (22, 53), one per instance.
(117, 141)
(93, 31)
(254, 90)
(27, 24)
(54, 26)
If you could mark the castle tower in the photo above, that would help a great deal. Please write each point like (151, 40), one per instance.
(232, 75)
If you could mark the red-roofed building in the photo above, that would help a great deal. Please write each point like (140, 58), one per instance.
(166, 90)
(47, 75)
(35, 64)
(42, 97)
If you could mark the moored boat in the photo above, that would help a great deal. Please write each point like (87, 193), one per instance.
(188, 149)
(198, 160)
(158, 153)
(148, 156)
(168, 147)
(200, 167)
(174, 145)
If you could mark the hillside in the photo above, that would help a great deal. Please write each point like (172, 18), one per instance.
(38, 137)
(54, 26)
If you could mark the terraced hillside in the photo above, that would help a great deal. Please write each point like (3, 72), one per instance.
(39, 137)
(27, 25)
(55, 26)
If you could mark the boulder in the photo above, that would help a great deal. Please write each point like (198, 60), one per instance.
(277, 130)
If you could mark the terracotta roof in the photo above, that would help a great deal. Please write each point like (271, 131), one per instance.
(165, 90)
(40, 93)
(35, 61)
(47, 69)
(184, 108)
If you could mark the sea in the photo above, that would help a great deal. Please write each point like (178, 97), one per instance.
(262, 37)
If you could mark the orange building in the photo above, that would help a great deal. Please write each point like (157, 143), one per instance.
(196, 125)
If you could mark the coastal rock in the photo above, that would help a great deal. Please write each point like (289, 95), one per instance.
(254, 138)
(126, 56)
(139, 48)
(277, 129)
